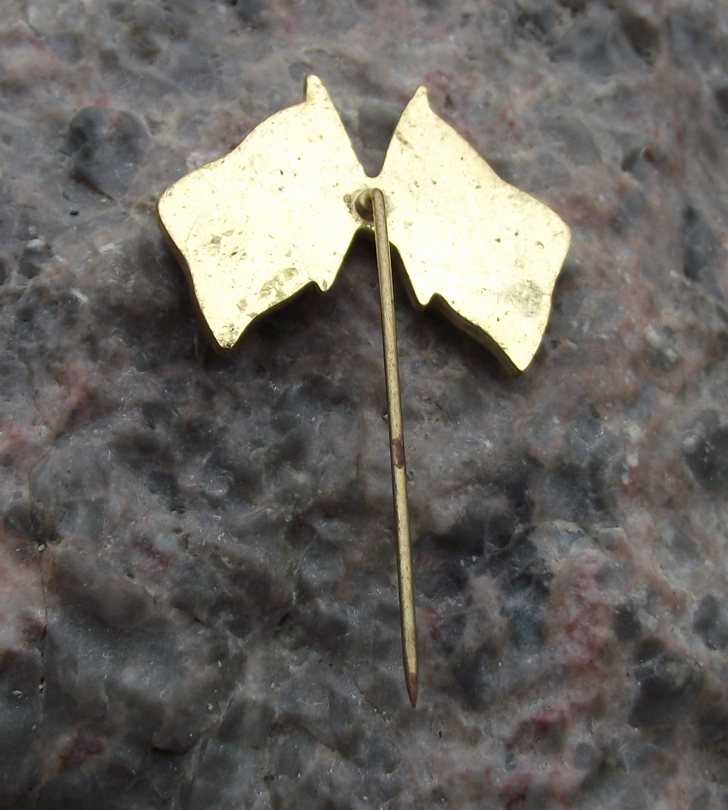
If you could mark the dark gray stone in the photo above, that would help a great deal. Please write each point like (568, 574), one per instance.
(478, 676)
(249, 11)
(597, 43)
(712, 728)
(625, 623)
(116, 600)
(107, 148)
(20, 715)
(702, 248)
(710, 621)
(706, 452)
(35, 253)
(377, 121)
(721, 98)
(642, 34)
(577, 141)
(69, 476)
(667, 685)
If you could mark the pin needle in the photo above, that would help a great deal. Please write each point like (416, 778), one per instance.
(371, 205)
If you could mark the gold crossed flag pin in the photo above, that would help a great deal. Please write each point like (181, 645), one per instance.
(256, 227)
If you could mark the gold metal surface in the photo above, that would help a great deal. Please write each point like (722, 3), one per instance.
(278, 213)
(257, 226)
(374, 199)
(486, 253)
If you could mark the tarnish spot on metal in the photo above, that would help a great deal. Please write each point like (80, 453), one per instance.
(398, 452)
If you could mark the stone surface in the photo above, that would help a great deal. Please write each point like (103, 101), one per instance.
(198, 602)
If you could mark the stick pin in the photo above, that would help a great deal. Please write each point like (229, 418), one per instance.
(278, 213)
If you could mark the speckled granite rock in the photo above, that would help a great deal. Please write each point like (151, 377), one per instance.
(198, 602)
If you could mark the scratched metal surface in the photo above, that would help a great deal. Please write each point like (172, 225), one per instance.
(197, 587)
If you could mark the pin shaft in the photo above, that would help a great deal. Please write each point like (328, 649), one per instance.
(396, 446)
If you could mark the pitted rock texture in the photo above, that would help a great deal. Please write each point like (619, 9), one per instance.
(198, 595)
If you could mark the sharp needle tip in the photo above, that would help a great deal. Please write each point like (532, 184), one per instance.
(412, 685)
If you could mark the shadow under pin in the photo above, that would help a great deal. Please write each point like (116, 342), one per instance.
(256, 227)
